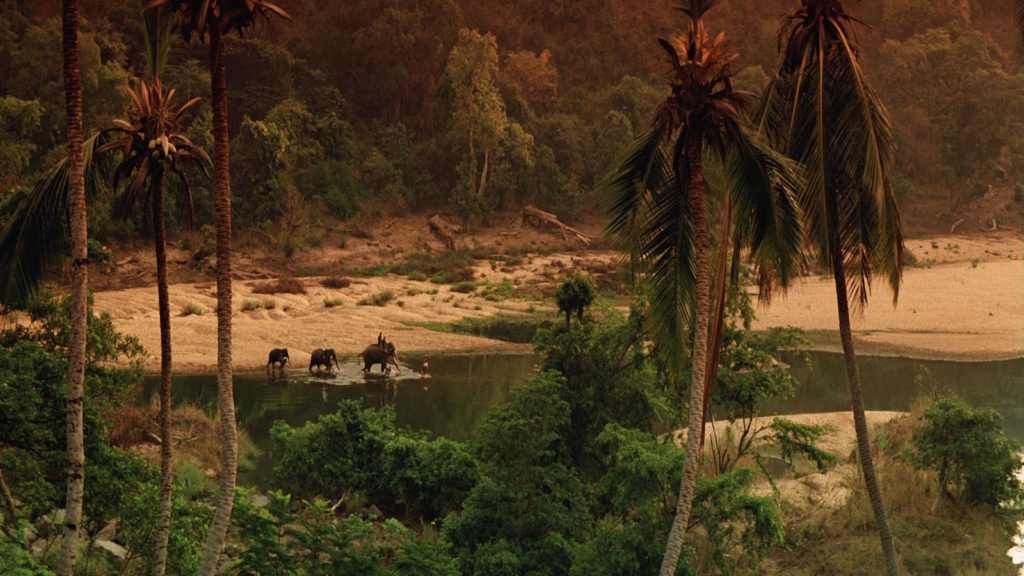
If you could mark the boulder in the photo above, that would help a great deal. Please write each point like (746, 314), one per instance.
(114, 550)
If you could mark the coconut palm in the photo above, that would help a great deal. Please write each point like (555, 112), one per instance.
(217, 18)
(79, 289)
(656, 200)
(821, 111)
(151, 146)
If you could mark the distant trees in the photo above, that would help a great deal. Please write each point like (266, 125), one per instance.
(958, 109)
(490, 146)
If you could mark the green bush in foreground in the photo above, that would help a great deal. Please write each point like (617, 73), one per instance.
(276, 539)
(969, 450)
(361, 449)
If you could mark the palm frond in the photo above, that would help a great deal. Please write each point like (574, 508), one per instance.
(767, 217)
(820, 110)
(38, 234)
(157, 36)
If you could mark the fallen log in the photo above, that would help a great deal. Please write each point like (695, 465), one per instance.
(443, 230)
(531, 212)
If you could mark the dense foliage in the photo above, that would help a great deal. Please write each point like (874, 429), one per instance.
(33, 454)
(478, 105)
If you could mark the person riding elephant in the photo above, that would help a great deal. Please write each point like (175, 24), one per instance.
(278, 355)
(380, 354)
(322, 357)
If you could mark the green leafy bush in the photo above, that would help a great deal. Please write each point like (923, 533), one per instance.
(969, 450)
(463, 287)
(33, 403)
(98, 252)
(574, 295)
(361, 449)
(190, 523)
(530, 506)
(276, 540)
(447, 267)
(378, 299)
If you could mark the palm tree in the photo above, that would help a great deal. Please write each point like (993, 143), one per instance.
(37, 235)
(217, 18)
(79, 290)
(820, 110)
(151, 146)
(656, 201)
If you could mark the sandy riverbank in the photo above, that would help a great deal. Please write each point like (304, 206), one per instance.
(966, 302)
(968, 305)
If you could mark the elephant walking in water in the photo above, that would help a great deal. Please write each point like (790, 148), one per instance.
(323, 358)
(278, 355)
(381, 353)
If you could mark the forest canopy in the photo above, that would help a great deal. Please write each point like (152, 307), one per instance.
(354, 102)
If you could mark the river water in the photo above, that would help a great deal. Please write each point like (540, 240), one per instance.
(460, 389)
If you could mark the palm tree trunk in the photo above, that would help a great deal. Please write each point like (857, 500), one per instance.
(700, 350)
(79, 291)
(711, 370)
(225, 388)
(163, 527)
(859, 419)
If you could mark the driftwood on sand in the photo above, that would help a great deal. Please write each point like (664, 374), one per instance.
(531, 213)
(445, 231)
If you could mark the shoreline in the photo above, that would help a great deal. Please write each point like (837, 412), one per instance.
(966, 307)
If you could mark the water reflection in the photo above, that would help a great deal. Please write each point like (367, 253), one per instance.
(448, 401)
(892, 383)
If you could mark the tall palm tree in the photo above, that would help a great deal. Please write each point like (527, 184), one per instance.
(821, 111)
(217, 18)
(657, 203)
(79, 290)
(151, 146)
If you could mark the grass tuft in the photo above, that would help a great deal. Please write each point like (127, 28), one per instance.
(192, 309)
(378, 299)
(335, 282)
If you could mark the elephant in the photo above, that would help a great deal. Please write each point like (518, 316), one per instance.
(321, 357)
(380, 354)
(278, 355)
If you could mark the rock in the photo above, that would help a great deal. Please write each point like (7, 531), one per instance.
(260, 501)
(375, 511)
(108, 532)
(30, 534)
(116, 551)
(39, 548)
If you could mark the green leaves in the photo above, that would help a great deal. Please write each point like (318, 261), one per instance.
(969, 449)
(37, 235)
(819, 110)
(358, 449)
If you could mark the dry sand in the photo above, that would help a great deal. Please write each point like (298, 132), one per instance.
(300, 323)
(968, 304)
